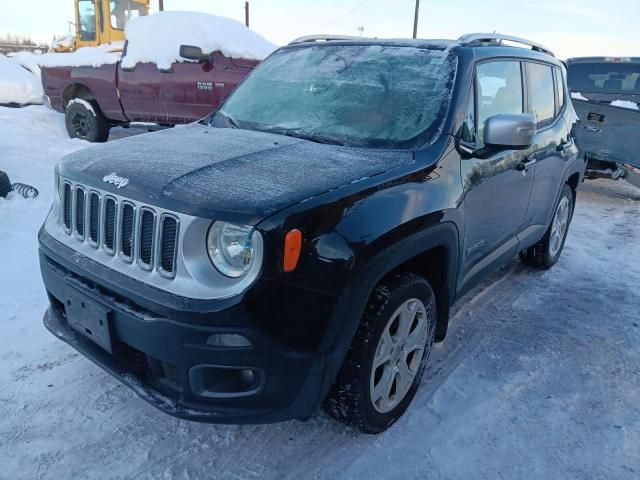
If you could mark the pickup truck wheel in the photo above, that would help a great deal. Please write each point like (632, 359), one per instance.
(547, 251)
(83, 123)
(384, 365)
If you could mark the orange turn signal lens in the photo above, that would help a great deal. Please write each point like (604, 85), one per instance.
(292, 248)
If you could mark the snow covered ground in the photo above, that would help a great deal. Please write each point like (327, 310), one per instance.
(539, 377)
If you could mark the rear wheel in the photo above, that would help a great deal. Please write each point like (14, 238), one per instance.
(85, 120)
(547, 251)
(384, 365)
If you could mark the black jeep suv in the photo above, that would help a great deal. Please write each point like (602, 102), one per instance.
(302, 245)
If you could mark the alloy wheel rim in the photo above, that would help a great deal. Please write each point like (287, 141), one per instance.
(559, 226)
(399, 354)
(80, 124)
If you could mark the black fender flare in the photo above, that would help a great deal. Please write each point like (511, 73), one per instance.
(362, 281)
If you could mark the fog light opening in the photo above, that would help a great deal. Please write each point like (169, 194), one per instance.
(225, 382)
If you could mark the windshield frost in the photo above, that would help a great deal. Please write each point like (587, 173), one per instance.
(370, 95)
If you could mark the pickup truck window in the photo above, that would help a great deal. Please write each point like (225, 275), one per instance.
(358, 95)
(605, 77)
(541, 91)
(499, 86)
(87, 14)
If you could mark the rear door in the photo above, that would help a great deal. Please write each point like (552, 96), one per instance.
(553, 146)
(496, 192)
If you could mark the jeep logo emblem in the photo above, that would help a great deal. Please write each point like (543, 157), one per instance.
(114, 179)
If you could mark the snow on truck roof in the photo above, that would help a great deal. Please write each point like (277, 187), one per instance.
(83, 57)
(157, 38)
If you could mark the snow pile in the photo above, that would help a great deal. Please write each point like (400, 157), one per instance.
(28, 60)
(578, 96)
(157, 38)
(17, 84)
(64, 42)
(84, 57)
(625, 104)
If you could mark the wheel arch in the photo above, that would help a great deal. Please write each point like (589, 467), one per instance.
(573, 181)
(76, 90)
(432, 253)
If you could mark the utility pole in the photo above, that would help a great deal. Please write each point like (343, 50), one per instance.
(415, 20)
(161, 6)
(246, 14)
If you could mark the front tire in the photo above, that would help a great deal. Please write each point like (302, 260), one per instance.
(547, 251)
(86, 123)
(384, 365)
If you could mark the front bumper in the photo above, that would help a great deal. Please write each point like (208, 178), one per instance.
(164, 360)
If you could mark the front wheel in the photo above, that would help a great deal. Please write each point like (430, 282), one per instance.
(546, 252)
(384, 365)
(85, 120)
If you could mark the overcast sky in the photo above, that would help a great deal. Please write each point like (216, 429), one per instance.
(569, 27)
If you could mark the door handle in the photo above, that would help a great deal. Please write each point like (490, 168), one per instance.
(564, 145)
(526, 163)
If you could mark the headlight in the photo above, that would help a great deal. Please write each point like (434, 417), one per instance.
(231, 248)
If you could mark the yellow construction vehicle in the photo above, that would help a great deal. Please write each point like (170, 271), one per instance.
(101, 22)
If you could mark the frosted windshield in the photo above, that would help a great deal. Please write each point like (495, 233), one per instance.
(367, 95)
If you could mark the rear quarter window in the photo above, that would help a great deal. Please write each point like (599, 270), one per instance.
(560, 92)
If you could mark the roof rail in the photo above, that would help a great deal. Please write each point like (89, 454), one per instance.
(497, 38)
(323, 38)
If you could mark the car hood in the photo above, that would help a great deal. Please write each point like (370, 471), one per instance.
(223, 173)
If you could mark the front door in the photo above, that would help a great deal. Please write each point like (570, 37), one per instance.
(496, 189)
(182, 94)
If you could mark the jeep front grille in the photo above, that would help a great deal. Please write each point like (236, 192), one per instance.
(110, 215)
(127, 220)
(79, 211)
(66, 208)
(168, 242)
(131, 231)
(94, 218)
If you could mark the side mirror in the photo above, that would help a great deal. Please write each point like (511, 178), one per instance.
(191, 52)
(510, 131)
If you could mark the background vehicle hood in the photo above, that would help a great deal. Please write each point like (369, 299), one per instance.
(223, 173)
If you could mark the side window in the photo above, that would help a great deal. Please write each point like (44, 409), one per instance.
(499, 90)
(541, 92)
(87, 14)
(468, 133)
(559, 88)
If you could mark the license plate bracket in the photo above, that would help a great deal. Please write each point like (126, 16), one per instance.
(88, 318)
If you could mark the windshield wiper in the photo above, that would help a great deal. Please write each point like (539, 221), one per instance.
(313, 138)
(229, 119)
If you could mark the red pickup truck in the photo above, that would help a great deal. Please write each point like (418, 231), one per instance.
(96, 98)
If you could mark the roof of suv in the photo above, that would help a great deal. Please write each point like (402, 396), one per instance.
(484, 45)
